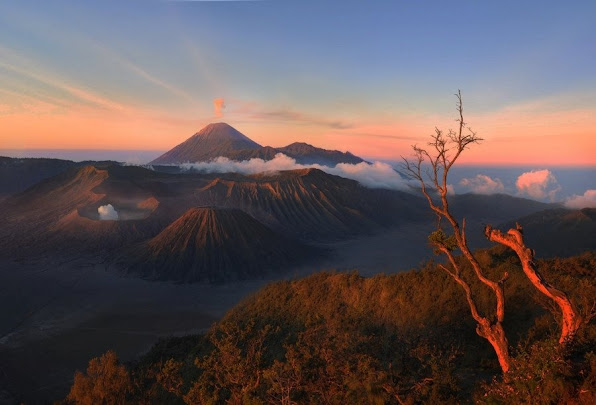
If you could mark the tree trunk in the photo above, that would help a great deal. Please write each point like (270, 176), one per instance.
(493, 332)
(571, 320)
(496, 336)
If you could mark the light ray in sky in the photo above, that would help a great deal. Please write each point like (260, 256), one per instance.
(81, 94)
(369, 77)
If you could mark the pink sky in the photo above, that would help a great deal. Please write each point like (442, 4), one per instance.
(369, 78)
(525, 134)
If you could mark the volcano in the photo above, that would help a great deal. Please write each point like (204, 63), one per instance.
(307, 154)
(216, 245)
(219, 139)
(307, 205)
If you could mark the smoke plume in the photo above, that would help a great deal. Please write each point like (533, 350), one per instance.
(218, 106)
(107, 213)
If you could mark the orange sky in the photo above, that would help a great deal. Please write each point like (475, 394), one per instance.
(512, 136)
(369, 78)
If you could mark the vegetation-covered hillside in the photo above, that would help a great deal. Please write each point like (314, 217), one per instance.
(340, 338)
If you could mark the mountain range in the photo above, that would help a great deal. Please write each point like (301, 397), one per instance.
(308, 205)
(257, 223)
(195, 226)
(74, 279)
(220, 139)
(559, 232)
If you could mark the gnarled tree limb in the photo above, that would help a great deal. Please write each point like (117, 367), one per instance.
(514, 239)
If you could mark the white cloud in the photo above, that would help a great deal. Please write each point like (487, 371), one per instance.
(588, 200)
(107, 213)
(373, 175)
(539, 184)
(482, 184)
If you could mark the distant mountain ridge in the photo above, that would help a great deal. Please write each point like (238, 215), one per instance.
(221, 139)
(544, 230)
(60, 216)
(308, 154)
(308, 205)
(18, 174)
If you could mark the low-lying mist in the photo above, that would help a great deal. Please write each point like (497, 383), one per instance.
(373, 175)
(573, 188)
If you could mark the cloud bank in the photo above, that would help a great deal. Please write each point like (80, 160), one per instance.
(482, 184)
(588, 200)
(539, 184)
(107, 213)
(373, 175)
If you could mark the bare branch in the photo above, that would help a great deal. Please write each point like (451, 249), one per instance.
(446, 149)
(514, 239)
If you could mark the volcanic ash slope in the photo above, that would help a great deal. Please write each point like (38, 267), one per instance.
(214, 245)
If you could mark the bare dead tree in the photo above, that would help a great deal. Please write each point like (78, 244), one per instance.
(443, 151)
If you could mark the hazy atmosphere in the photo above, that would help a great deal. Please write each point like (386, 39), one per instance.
(371, 77)
(297, 202)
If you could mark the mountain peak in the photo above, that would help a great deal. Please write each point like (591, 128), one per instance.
(219, 128)
(218, 125)
(308, 154)
(216, 244)
(221, 139)
(216, 139)
(222, 131)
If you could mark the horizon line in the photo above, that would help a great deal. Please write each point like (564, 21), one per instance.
(7, 153)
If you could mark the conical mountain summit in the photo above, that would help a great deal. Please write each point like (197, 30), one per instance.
(216, 244)
(221, 139)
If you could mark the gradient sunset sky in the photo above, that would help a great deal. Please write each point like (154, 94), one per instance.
(371, 77)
